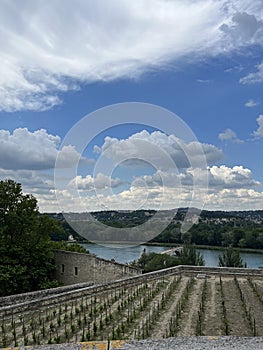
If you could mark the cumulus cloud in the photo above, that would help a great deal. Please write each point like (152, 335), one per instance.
(244, 28)
(47, 50)
(259, 131)
(219, 177)
(26, 150)
(229, 135)
(240, 199)
(251, 103)
(99, 182)
(34, 182)
(160, 150)
(160, 179)
(236, 177)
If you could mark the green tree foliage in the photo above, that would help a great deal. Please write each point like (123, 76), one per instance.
(190, 256)
(247, 235)
(72, 247)
(27, 257)
(231, 258)
(154, 261)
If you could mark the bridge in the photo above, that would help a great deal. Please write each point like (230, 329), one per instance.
(176, 251)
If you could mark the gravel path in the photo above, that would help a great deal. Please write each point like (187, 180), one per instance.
(179, 343)
(197, 343)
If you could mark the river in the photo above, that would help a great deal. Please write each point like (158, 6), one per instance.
(126, 254)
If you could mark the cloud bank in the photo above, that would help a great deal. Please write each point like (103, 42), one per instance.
(29, 158)
(38, 150)
(152, 146)
(48, 49)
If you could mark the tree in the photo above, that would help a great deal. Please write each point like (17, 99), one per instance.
(74, 247)
(27, 257)
(18, 212)
(154, 261)
(231, 258)
(189, 256)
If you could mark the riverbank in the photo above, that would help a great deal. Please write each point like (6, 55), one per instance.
(242, 250)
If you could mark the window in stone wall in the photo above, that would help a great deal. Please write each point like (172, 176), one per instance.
(76, 271)
(62, 268)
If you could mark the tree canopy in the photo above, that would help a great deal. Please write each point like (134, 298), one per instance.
(231, 258)
(27, 257)
(154, 261)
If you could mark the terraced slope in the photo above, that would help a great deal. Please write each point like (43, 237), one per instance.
(172, 305)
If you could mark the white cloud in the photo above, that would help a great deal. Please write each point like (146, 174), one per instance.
(239, 199)
(251, 103)
(160, 179)
(47, 49)
(229, 135)
(99, 182)
(219, 177)
(236, 177)
(36, 150)
(255, 77)
(244, 28)
(259, 131)
(160, 150)
(34, 182)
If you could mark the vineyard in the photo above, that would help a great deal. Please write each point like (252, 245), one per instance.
(168, 306)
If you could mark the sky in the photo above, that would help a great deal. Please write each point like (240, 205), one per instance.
(194, 70)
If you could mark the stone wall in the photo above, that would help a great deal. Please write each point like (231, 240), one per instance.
(78, 268)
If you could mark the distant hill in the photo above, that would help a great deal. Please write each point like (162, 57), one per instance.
(243, 229)
(139, 216)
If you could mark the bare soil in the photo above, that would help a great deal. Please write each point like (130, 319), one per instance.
(189, 318)
(212, 324)
(235, 314)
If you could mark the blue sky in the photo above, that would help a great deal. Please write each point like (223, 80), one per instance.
(200, 59)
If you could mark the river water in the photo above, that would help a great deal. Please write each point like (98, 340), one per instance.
(126, 254)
